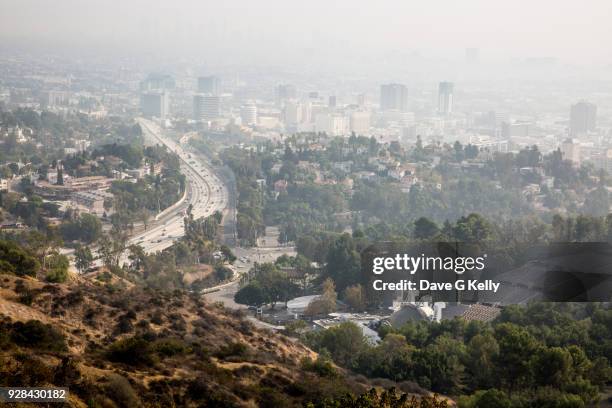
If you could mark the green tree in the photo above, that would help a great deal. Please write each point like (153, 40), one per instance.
(252, 294)
(552, 366)
(60, 176)
(15, 259)
(344, 342)
(57, 268)
(326, 303)
(473, 228)
(354, 296)
(424, 228)
(83, 258)
(91, 228)
(516, 349)
(482, 354)
(343, 262)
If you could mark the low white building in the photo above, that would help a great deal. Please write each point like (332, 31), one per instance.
(298, 305)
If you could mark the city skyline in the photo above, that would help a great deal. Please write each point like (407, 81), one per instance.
(271, 31)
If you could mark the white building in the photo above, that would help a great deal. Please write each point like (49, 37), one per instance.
(571, 151)
(206, 107)
(360, 122)
(300, 304)
(333, 125)
(292, 113)
(248, 114)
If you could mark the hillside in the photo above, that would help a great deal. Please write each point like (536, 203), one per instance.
(119, 346)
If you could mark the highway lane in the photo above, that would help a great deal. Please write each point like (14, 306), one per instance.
(205, 193)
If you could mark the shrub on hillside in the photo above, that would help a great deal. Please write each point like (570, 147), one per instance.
(134, 351)
(37, 335)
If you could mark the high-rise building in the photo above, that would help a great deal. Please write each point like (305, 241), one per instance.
(209, 85)
(154, 104)
(248, 114)
(360, 122)
(157, 82)
(583, 118)
(361, 100)
(332, 101)
(331, 124)
(517, 129)
(285, 92)
(445, 98)
(307, 112)
(292, 113)
(394, 97)
(570, 149)
(206, 107)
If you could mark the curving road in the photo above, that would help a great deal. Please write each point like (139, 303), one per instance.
(204, 191)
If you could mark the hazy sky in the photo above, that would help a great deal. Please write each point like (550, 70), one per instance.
(274, 30)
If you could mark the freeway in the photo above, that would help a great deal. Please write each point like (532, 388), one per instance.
(204, 192)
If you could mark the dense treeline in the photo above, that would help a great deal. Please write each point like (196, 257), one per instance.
(451, 182)
(35, 256)
(507, 243)
(306, 208)
(540, 355)
(152, 193)
(247, 168)
(165, 269)
(55, 133)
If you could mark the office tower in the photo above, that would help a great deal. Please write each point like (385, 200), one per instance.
(570, 149)
(583, 117)
(608, 161)
(248, 114)
(56, 98)
(209, 85)
(157, 82)
(154, 104)
(284, 93)
(445, 98)
(361, 100)
(292, 113)
(360, 122)
(332, 101)
(499, 119)
(472, 55)
(206, 107)
(517, 129)
(331, 124)
(394, 97)
(306, 112)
